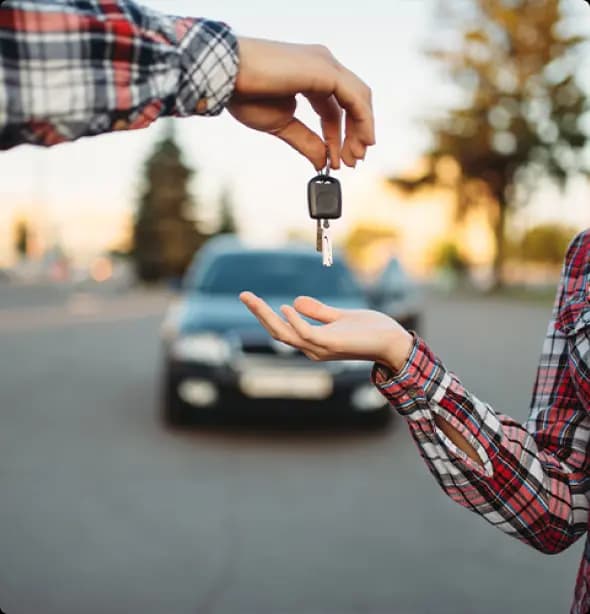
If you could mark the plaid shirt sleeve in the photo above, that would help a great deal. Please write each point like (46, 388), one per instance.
(72, 68)
(532, 480)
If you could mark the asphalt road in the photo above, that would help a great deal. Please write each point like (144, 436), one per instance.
(102, 510)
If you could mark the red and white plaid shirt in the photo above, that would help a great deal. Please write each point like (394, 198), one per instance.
(533, 479)
(72, 68)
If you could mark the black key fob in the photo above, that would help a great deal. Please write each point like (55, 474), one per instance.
(324, 198)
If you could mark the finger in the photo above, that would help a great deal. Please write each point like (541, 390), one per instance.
(311, 335)
(352, 152)
(265, 315)
(316, 310)
(305, 141)
(311, 355)
(346, 154)
(357, 148)
(273, 323)
(331, 120)
(352, 95)
(352, 149)
(355, 98)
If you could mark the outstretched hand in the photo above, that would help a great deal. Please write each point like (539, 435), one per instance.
(270, 76)
(344, 334)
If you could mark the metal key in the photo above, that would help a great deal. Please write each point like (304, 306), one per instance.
(325, 203)
(326, 244)
(319, 235)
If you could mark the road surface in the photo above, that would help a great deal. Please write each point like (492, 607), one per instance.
(103, 510)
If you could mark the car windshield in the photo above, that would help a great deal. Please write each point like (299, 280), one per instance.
(274, 274)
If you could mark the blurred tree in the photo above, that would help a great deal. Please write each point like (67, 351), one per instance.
(299, 235)
(448, 256)
(227, 221)
(514, 62)
(165, 236)
(367, 241)
(21, 239)
(117, 253)
(546, 243)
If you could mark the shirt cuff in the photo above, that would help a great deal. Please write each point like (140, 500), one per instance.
(418, 380)
(209, 66)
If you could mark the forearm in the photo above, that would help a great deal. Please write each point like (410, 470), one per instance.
(457, 439)
(77, 68)
(485, 461)
(401, 343)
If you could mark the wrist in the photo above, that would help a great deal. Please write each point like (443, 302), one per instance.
(398, 349)
(245, 45)
(258, 59)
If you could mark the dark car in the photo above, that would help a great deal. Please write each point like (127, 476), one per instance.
(219, 360)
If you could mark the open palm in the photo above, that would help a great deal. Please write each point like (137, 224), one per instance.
(344, 334)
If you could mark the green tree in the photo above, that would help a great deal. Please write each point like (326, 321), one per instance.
(227, 220)
(514, 62)
(448, 256)
(546, 243)
(21, 239)
(165, 236)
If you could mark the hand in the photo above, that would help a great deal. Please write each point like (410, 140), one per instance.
(346, 334)
(270, 76)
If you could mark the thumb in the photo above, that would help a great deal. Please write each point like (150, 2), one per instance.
(316, 310)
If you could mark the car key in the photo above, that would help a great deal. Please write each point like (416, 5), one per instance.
(324, 197)
(327, 259)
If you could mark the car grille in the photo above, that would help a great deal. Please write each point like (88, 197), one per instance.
(260, 348)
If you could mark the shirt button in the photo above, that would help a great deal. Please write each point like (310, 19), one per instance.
(201, 106)
(120, 124)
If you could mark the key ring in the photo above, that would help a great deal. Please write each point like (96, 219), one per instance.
(326, 171)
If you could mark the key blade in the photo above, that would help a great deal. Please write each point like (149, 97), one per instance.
(318, 236)
(327, 257)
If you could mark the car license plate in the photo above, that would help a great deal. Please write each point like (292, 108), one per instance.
(286, 384)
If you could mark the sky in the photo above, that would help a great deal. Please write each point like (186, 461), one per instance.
(84, 190)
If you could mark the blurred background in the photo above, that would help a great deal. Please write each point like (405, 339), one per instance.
(158, 453)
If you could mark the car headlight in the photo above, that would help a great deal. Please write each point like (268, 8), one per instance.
(206, 348)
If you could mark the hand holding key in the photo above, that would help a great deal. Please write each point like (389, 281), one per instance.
(271, 74)
(344, 334)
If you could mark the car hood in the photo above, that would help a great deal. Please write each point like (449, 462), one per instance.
(227, 314)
